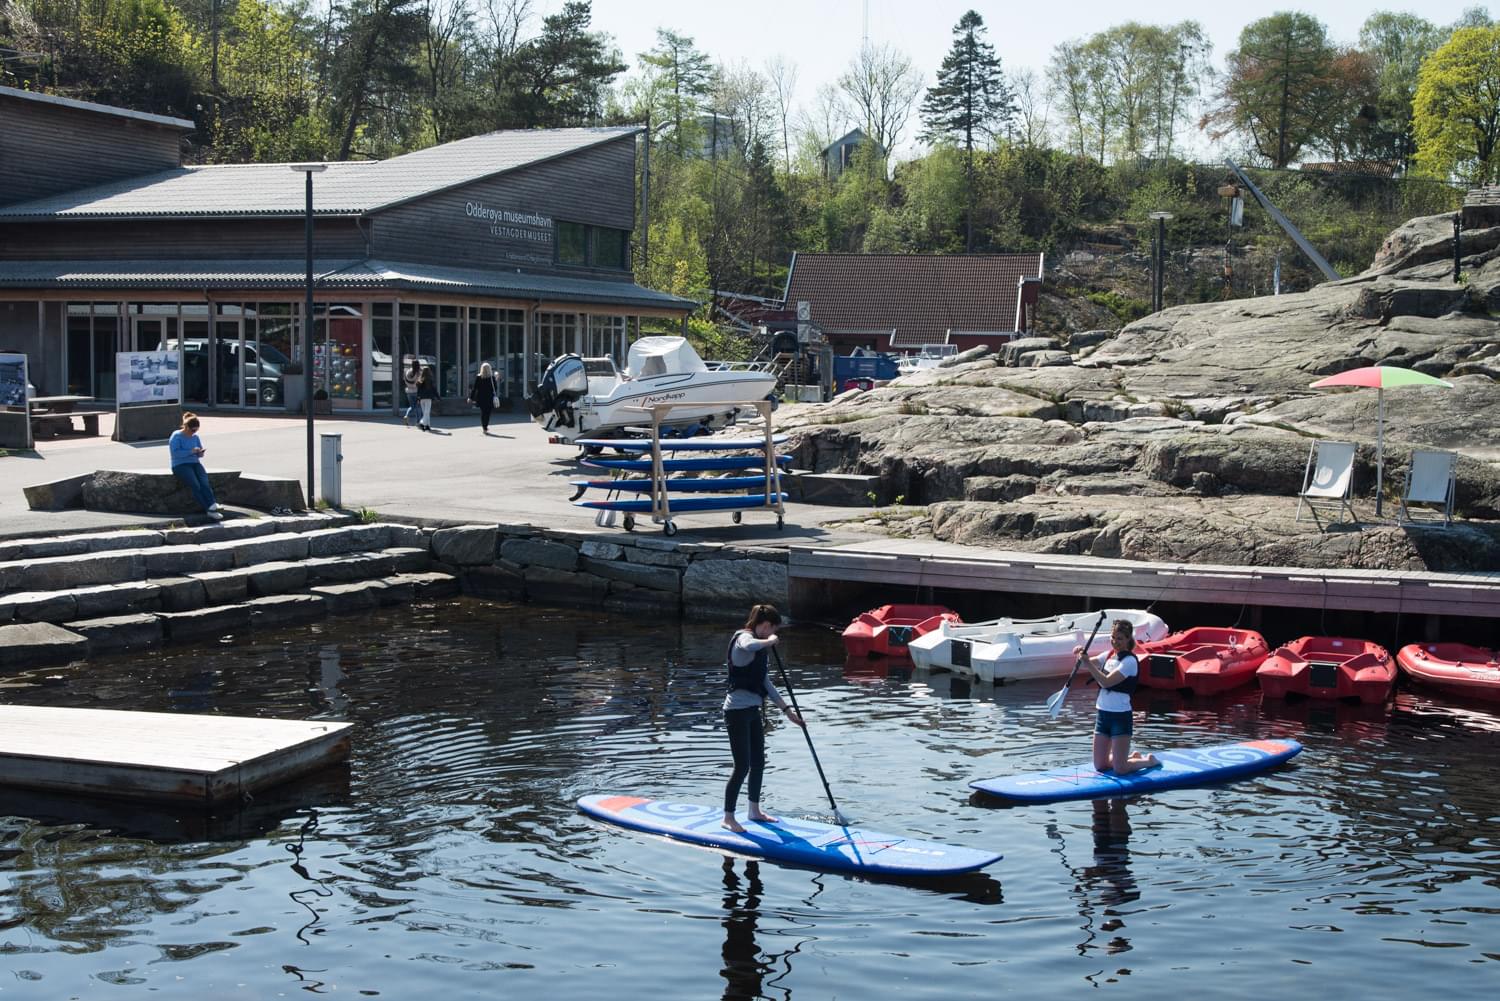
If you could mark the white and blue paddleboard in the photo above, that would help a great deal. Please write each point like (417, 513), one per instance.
(703, 484)
(1180, 767)
(684, 505)
(676, 465)
(797, 842)
(679, 444)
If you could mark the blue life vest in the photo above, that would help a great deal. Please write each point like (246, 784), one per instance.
(1127, 685)
(752, 676)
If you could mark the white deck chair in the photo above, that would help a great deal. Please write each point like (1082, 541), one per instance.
(1329, 477)
(1430, 480)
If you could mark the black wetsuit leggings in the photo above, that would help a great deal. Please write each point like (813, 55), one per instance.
(747, 742)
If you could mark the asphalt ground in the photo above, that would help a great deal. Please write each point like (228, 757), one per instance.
(454, 473)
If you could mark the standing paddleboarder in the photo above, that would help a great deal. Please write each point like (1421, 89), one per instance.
(1117, 676)
(748, 663)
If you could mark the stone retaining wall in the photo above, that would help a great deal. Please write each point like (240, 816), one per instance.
(613, 570)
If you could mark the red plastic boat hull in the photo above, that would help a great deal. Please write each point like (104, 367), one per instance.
(885, 631)
(1455, 668)
(1329, 667)
(1207, 660)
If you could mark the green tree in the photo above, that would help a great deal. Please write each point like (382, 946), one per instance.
(562, 74)
(970, 100)
(1274, 88)
(1397, 44)
(1456, 113)
(686, 76)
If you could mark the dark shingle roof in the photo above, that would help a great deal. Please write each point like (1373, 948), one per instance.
(354, 275)
(347, 188)
(921, 296)
(181, 124)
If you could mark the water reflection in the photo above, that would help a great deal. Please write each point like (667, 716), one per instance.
(743, 971)
(1104, 887)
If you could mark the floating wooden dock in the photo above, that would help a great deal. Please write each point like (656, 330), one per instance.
(161, 757)
(931, 564)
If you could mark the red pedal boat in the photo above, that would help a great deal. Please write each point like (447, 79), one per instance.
(1329, 667)
(1206, 659)
(1453, 667)
(885, 631)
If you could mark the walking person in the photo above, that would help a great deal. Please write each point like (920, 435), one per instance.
(409, 380)
(1118, 674)
(485, 394)
(748, 663)
(186, 449)
(426, 393)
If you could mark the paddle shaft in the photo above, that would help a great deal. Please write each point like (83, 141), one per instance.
(1062, 696)
(791, 694)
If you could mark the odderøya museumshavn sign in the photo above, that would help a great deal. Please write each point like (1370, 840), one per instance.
(530, 226)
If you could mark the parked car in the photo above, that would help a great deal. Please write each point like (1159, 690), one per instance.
(261, 365)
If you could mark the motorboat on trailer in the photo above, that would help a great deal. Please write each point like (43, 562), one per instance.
(581, 397)
(885, 631)
(1328, 667)
(1015, 649)
(1455, 668)
(1207, 660)
(931, 356)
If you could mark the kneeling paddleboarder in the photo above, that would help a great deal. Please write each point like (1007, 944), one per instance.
(1117, 675)
(747, 661)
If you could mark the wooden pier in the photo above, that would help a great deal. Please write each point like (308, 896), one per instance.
(925, 563)
(161, 757)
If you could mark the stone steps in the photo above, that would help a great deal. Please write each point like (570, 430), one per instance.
(35, 644)
(70, 596)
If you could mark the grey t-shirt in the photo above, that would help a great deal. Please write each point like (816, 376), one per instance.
(742, 652)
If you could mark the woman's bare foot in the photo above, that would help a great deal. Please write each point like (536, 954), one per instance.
(760, 816)
(730, 824)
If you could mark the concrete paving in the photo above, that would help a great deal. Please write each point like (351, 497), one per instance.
(453, 473)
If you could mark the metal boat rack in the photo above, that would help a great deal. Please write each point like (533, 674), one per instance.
(661, 504)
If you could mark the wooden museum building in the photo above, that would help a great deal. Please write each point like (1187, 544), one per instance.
(509, 248)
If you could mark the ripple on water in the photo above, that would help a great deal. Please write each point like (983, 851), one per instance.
(454, 859)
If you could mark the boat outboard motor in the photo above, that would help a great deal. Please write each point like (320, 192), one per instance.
(565, 381)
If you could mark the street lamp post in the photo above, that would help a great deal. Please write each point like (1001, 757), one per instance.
(1158, 259)
(308, 170)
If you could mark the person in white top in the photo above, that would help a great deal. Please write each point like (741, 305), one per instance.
(1117, 673)
(748, 688)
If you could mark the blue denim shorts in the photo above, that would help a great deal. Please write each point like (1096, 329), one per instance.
(1112, 724)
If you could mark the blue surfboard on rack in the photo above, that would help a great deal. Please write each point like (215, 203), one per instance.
(1180, 767)
(684, 505)
(796, 842)
(684, 465)
(684, 484)
(680, 444)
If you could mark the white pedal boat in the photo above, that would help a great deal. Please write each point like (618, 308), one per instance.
(1013, 649)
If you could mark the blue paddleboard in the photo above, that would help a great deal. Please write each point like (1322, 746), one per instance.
(684, 484)
(1181, 767)
(798, 842)
(679, 444)
(683, 505)
(683, 465)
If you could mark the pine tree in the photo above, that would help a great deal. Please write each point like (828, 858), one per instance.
(970, 100)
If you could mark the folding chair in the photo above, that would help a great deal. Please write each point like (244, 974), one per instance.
(1329, 477)
(1430, 480)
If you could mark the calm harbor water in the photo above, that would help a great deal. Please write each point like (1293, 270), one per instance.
(448, 859)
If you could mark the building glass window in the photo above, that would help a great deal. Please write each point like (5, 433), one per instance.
(611, 248)
(556, 334)
(572, 243)
(382, 371)
(606, 333)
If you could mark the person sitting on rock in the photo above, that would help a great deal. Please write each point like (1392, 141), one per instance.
(186, 449)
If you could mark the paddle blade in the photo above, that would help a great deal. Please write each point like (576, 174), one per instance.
(1055, 702)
